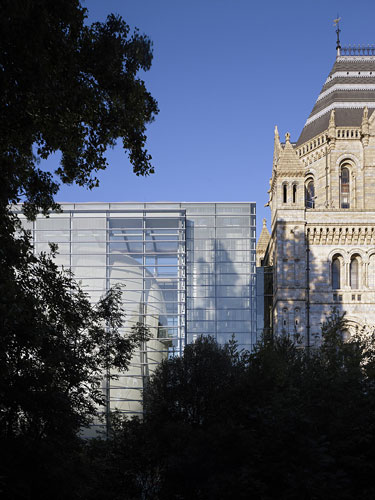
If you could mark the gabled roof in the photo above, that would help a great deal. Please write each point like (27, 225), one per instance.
(350, 87)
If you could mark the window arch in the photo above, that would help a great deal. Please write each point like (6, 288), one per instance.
(310, 194)
(345, 186)
(285, 192)
(294, 193)
(336, 272)
(354, 272)
(371, 272)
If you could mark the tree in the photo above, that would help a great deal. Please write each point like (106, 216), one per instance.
(54, 349)
(70, 87)
(275, 423)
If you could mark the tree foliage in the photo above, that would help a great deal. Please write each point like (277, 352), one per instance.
(54, 349)
(70, 87)
(275, 423)
(73, 88)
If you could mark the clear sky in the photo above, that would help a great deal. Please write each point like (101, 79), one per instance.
(224, 73)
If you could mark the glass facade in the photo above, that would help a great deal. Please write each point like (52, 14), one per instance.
(187, 269)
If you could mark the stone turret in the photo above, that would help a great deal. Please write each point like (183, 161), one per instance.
(262, 244)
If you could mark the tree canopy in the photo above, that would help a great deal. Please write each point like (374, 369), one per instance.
(71, 87)
(275, 423)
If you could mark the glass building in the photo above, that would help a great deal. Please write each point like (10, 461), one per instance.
(187, 269)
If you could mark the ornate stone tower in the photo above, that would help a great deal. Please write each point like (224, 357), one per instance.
(322, 201)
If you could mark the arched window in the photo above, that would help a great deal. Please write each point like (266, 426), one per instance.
(336, 273)
(345, 188)
(354, 272)
(285, 193)
(310, 194)
(294, 193)
(371, 272)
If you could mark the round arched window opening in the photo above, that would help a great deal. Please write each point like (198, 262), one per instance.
(336, 273)
(354, 273)
(310, 194)
(294, 193)
(285, 193)
(345, 187)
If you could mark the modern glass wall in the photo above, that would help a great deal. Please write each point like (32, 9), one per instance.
(220, 242)
(187, 269)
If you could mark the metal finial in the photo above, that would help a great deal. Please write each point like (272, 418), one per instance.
(336, 22)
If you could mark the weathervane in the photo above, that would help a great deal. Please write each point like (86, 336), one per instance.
(336, 22)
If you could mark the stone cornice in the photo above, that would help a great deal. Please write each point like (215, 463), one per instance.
(335, 234)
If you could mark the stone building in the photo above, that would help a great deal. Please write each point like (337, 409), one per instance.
(322, 200)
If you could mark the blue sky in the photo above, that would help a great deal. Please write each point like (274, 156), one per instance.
(224, 73)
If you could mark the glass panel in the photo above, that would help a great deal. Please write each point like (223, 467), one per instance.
(125, 272)
(125, 223)
(126, 247)
(232, 267)
(63, 248)
(232, 256)
(232, 291)
(87, 248)
(226, 244)
(52, 224)
(232, 279)
(161, 260)
(201, 222)
(92, 284)
(89, 223)
(201, 326)
(201, 315)
(232, 208)
(199, 232)
(62, 260)
(53, 236)
(233, 326)
(232, 221)
(199, 208)
(199, 245)
(200, 257)
(125, 260)
(233, 232)
(200, 291)
(234, 315)
(88, 260)
(162, 222)
(89, 272)
(130, 284)
(162, 246)
(162, 271)
(89, 235)
(232, 303)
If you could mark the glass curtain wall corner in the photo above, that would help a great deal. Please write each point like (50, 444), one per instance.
(186, 268)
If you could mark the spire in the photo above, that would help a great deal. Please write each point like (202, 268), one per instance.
(262, 244)
(277, 146)
(336, 22)
(365, 129)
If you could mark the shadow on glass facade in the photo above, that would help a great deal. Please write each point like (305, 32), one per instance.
(187, 269)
